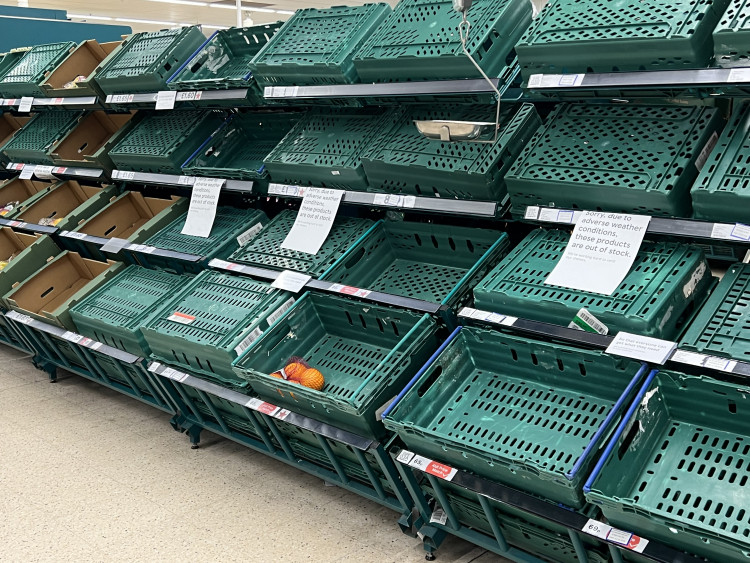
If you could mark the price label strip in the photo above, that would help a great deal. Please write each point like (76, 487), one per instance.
(622, 538)
(487, 316)
(440, 470)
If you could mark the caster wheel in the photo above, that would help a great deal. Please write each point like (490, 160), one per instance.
(430, 557)
(194, 446)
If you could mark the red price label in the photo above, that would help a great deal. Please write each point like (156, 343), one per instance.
(267, 408)
(440, 470)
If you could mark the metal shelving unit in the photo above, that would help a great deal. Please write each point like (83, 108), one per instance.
(41, 171)
(174, 180)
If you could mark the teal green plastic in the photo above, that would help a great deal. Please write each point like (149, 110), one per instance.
(366, 354)
(572, 36)
(485, 405)
(145, 61)
(26, 262)
(239, 149)
(163, 141)
(658, 295)
(325, 148)
(24, 78)
(114, 313)
(401, 160)
(32, 143)
(264, 249)
(9, 60)
(226, 310)
(676, 472)
(438, 263)
(570, 163)
(420, 41)
(317, 46)
(732, 36)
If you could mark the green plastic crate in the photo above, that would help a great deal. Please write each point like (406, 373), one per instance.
(32, 143)
(722, 190)
(264, 250)
(225, 310)
(420, 41)
(676, 469)
(599, 36)
(366, 353)
(239, 149)
(325, 149)
(438, 263)
(486, 405)
(114, 313)
(24, 78)
(629, 159)
(163, 141)
(401, 160)
(721, 326)
(732, 35)
(665, 284)
(317, 46)
(11, 59)
(25, 254)
(145, 61)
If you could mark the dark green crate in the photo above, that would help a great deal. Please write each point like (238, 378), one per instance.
(732, 35)
(485, 405)
(420, 40)
(722, 190)
(239, 149)
(438, 263)
(401, 160)
(163, 141)
(226, 310)
(325, 148)
(599, 36)
(366, 353)
(9, 60)
(114, 313)
(629, 159)
(33, 142)
(317, 46)
(145, 61)
(265, 250)
(666, 282)
(24, 78)
(677, 470)
(722, 326)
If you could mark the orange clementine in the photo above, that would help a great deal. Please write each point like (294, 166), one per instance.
(294, 371)
(277, 374)
(313, 379)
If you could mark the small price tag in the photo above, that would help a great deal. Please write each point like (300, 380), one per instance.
(291, 281)
(27, 172)
(20, 317)
(737, 75)
(25, 105)
(185, 180)
(71, 234)
(125, 175)
(284, 189)
(614, 535)
(9, 102)
(72, 337)
(690, 358)
(644, 348)
(181, 318)
(165, 99)
(720, 364)
(390, 200)
(114, 245)
(142, 248)
(262, 406)
(350, 290)
(405, 456)
(174, 375)
(43, 172)
(188, 96)
(532, 213)
(59, 170)
(119, 98)
(58, 101)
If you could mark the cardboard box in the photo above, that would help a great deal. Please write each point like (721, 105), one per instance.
(25, 254)
(25, 192)
(51, 291)
(81, 62)
(9, 124)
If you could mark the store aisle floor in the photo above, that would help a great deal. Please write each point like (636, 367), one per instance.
(87, 474)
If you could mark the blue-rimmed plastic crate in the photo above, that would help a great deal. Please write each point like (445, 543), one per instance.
(667, 282)
(676, 468)
(365, 352)
(317, 46)
(732, 35)
(25, 77)
(145, 61)
(489, 403)
(32, 143)
(420, 41)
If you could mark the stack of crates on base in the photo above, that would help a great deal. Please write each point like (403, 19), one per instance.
(41, 135)
(732, 35)
(630, 159)
(162, 142)
(317, 46)
(401, 160)
(571, 36)
(17, 195)
(24, 78)
(145, 61)
(420, 41)
(657, 297)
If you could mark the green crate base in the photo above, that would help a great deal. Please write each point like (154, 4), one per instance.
(732, 36)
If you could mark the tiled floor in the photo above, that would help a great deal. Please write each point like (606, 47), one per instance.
(87, 474)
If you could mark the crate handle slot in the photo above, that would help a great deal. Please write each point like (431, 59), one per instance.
(430, 381)
(112, 228)
(47, 292)
(358, 255)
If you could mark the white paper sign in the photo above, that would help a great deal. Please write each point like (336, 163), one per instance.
(165, 99)
(644, 348)
(314, 220)
(603, 246)
(43, 172)
(25, 105)
(203, 202)
(27, 172)
(291, 281)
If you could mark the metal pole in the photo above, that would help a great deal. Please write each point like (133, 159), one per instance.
(238, 3)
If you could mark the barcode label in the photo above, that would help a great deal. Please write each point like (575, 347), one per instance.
(587, 322)
(706, 152)
(276, 315)
(248, 234)
(439, 516)
(247, 341)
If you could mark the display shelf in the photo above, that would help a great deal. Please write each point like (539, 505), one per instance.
(44, 172)
(202, 98)
(28, 227)
(75, 102)
(245, 186)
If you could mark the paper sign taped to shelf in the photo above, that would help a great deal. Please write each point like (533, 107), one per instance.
(43, 172)
(276, 315)
(587, 322)
(203, 203)
(248, 234)
(644, 348)
(114, 245)
(614, 535)
(314, 220)
(291, 281)
(181, 318)
(25, 105)
(600, 252)
(165, 99)
(27, 172)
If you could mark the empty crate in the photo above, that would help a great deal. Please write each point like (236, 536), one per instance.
(63, 205)
(21, 255)
(732, 35)
(41, 135)
(71, 78)
(24, 78)
(17, 195)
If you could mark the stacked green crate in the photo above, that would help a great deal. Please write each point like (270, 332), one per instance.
(9, 60)
(35, 140)
(24, 78)
(732, 35)
(145, 61)
(401, 160)
(162, 142)
(601, 36)
(264, 249)
(239, 149)
(666, 282)
(215, 318)
(420, 40)
(317, 46)
(631, 159)
(325, 148)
